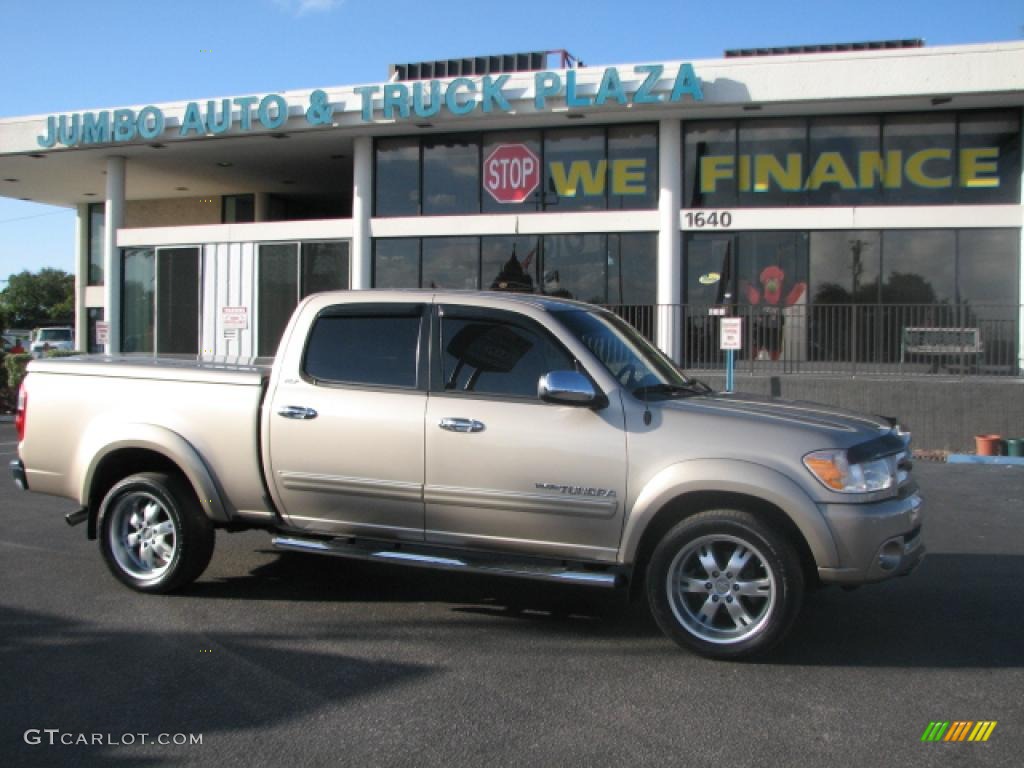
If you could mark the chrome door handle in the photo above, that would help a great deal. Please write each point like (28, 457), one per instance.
(297, 412)
(460, 425)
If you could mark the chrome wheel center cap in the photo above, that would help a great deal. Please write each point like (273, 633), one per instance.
(722, 586)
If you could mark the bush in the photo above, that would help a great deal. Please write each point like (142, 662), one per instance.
(61, 353)
(15, 366)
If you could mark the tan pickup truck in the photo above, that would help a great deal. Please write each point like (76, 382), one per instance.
(509, 434)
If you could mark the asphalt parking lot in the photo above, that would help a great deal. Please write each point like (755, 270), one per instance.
(300, 660)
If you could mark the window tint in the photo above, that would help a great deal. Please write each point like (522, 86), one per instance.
(177, 301)
(451, 175)
(377, 350)
(278, 293)
(487, 355)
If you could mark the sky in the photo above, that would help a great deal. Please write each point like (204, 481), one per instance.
(66, 55)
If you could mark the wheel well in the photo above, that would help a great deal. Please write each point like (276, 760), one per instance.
(118, 465)
(690, 504)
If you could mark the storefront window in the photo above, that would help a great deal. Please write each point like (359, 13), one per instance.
(451, 262)
(836, 176)
(238, 209)
(632, 268)
(97, 226)
(177, 305)
(575, 169)
(396, 263)
(710, 174)
(771, 162)
(325, 267)
(137, 300)
(576, 267)
(451, 175)
(93, 315)
(510, 263)
(989, 140)
(633, 167)
(919, 266)
(278, 292)
(397, 177)
(926, 149)
(844, 267)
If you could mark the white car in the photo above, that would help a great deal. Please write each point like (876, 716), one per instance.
(52, 338)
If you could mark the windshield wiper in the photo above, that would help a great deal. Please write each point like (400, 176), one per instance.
(673, 390)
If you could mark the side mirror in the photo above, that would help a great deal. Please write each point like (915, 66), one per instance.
(568, 388)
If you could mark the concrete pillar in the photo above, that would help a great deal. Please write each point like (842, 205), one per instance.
(669, 293)
(261, 206)
(81, 276)
(362, 208)
(113, 221)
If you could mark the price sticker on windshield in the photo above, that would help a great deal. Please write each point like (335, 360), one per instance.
(731, 333)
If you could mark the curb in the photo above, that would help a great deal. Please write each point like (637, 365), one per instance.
(970, 458)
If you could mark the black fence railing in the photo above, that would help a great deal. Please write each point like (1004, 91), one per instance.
(897, 339)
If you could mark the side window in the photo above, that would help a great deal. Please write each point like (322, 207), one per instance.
(493, 356)
(374, 350)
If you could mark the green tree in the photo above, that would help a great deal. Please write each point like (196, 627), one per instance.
(40, 298)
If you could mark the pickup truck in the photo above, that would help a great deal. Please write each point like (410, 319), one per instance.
(511, 434)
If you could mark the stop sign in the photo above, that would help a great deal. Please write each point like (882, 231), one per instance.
(511, 173)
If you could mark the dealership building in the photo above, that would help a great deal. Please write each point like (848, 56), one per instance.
(859, 206)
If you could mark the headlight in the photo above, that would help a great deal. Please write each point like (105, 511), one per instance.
(836, 473)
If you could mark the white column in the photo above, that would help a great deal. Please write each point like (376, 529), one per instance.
(113, 220)
(362, 207)
(669, 293)
(81, 276)
(260, 206)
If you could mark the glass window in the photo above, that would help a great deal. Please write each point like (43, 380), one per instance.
(324, 267)
(451, 262)
(844, 267)
(633, 167)
(278, 293)
(575, 169)
(489, 354)
(919, 266)
(925, 147)
(576, 267)
(397, 177)
(844, 164)
(989, 158)
(451, 175)
(97, 226)
(139, 278)
(771, 162)
(772, 268)
(710, 275)
(987, 266)
(396, 263)
(177, 305)
(374, 350)
(632, 268)
(529, 139)
(710, 173)
(510, 263)
(238, 209)
(93, 315)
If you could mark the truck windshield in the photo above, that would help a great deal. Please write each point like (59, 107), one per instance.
(638, 365)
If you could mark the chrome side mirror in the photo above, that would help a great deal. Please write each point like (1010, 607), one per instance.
(567, 388)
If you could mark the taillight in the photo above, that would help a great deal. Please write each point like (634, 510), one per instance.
(19, 416)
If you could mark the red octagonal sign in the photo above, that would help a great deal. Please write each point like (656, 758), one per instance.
(511, 173)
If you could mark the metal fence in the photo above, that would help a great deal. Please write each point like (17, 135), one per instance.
(897, 339)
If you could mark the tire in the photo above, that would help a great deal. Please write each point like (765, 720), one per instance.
(153, 535)
(724, 584)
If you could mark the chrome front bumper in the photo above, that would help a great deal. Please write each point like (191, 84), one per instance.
(874, 541)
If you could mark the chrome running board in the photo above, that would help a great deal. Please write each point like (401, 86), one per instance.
(450, 561)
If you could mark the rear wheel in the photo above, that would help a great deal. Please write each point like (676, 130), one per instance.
(724, 584)
(153, 534)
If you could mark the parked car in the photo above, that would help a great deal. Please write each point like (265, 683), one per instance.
(45, 339)
(508, 434)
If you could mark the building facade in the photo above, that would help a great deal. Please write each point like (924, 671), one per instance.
(859, 207)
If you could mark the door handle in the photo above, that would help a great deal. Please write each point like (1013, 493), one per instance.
(297, 412)
(460, 425)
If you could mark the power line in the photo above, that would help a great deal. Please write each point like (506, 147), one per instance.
(36, 216)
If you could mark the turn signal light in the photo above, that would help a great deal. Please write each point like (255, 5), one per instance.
(21, 413)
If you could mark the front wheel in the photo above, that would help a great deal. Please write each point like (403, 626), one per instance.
(153, 535)
(724, 584)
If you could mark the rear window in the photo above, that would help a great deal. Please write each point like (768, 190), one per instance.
(55, 334)
(368, 350)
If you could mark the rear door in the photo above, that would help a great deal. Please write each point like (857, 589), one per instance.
(346, 434)
(505, 470)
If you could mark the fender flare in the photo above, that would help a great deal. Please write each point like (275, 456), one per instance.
(729, 476)
(96, 446)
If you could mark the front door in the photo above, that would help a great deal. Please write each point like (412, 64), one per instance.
(505, 470)
(346, 434)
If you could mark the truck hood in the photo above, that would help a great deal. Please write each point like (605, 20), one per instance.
(792, 413)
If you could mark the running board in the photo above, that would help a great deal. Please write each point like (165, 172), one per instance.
(466, 563)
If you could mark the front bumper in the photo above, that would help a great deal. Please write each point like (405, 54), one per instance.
(18, 471)
(875, 541)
